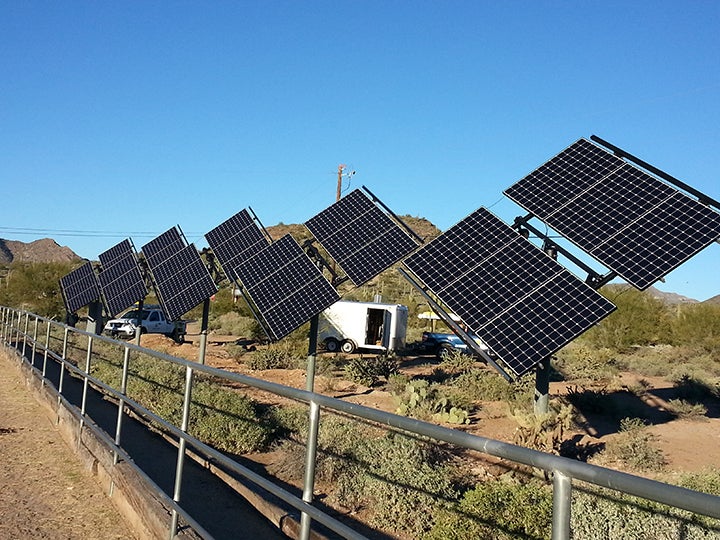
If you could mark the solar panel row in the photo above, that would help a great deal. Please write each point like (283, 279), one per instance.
(630, 221)
(521, 303)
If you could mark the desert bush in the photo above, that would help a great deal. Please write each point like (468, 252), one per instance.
(234, 324)
(694, 388)
(578, 360)
(697, 325)
(35, 287)
(368, 371)
(456, 362)
(482, 384)
(498, 509)
(633, 447)
(400, 480)
(639, 320)
(425, 401)
(543, 432)
(687, 410)
(601, 514)
(281, 355)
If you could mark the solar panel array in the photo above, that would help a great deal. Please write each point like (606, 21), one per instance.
(235, 240)
(633, 223)
(181, 277)
(80, 287)
(520, 302)
(285, 286)
(360, 237)
(121, 281)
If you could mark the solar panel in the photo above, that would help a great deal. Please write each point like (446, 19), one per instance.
(360, 237)
(162, 247)
(121, 281)
(235, 240)
(181, 277)
(80, 287)
(285, 286)
(520, 302)
(630, 221)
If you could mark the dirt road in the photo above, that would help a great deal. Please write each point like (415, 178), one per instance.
(44, 493)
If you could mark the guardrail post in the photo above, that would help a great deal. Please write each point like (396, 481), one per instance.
(64, 360)
(121, 403)
(35, 331)
(562, 501)
(47, 348)
(25, 330)
(86, 382)
(181, 448)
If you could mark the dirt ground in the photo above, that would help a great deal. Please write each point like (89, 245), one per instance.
(688, 445)
(44, 492)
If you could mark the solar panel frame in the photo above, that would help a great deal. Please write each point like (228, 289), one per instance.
(630, 221)
(285, 286)
(362, 239)
(235, 240)
(121, 281)
(80, 287)
(524, 305)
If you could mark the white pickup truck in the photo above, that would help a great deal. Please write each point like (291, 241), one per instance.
(152, 321)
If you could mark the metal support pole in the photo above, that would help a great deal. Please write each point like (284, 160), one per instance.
(314, 424)
(542, 387)
(204, 331)
(181, 448)
(562, 506)
(138, 333)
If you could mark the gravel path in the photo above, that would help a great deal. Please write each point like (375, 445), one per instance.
(44, 492)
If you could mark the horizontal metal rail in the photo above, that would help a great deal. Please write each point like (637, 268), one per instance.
(563, 470)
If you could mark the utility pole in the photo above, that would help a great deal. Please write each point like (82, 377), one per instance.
(341, 168)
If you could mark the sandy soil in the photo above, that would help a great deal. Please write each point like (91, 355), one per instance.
(44, 493)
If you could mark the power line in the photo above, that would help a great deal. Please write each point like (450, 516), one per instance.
(81, 233)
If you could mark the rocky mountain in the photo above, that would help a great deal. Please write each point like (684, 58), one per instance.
(43, 250)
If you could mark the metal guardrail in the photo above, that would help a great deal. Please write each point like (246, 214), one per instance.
(15, 328)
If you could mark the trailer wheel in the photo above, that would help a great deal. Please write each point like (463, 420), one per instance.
(347, 346)
(444, 351)
(332, 345)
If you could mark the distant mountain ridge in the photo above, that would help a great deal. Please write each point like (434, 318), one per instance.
(40, 251)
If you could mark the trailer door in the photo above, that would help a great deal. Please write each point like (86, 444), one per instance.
(374, 326)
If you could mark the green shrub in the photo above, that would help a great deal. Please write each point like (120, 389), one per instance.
(280, 355)
(400, 480)
(633, 447)
(498, 509)
(234, 324)
(577, 360)
(482, 384)
(687, 410)
(601, 514)
(368, 371)
(424, 401)
(697, 325)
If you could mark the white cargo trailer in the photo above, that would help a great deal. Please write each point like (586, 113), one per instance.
(365, 326)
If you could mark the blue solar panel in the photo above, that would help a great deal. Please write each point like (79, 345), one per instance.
(80, 287)
(121, 281)
(361, 238)
(235, 240)
(630, 221)
(520, 302)
(181, 277)
(285, 286)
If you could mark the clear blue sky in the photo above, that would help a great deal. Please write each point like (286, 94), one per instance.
(125, 118)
